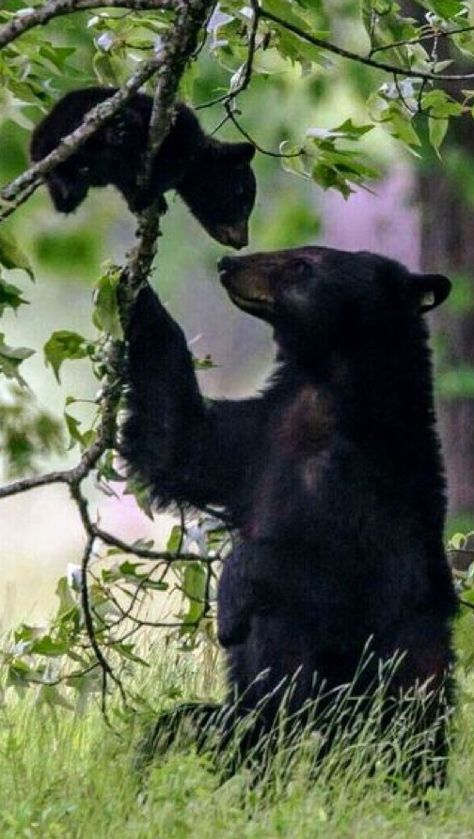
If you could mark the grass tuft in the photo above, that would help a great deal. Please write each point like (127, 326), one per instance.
(66, 775)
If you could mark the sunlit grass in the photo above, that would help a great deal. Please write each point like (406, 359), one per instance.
(69, 775)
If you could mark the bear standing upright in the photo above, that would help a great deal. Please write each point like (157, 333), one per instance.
(332, 477)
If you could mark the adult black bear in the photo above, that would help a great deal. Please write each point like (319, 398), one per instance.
(332, 478)
(213, 178)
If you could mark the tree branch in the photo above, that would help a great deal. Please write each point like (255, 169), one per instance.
(13, 194)
(426, 36)
(180, 42)
(362, 59)
(22, 22)
(177, 49)
(26, 484)
(231, 115)
(76, 473)
(146, 553)
(89, 624)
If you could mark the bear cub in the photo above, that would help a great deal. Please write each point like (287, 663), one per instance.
(213, 178)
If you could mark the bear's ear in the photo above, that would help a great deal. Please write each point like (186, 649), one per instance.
(241, 152)
(431, 290)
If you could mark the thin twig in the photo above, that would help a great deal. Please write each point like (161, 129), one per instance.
(441, 33)
(89, 624)
(170, 63)
(201, 46)
(74, 674)
(231, 116)
(179, 42)
(362, 59)
(26, 484)
(144, 553)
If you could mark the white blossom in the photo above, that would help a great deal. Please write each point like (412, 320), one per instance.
(105, 41)
(74, 576)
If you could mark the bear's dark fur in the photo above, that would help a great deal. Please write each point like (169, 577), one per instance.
(332, 478)
(213, 178)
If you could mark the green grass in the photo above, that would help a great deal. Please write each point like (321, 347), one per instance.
(69, 775)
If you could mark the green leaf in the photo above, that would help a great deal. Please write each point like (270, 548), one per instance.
(281, 8)
(401, 126)
(85, 438)
(46, 646)
(205, 363)
(327, 163)
(67, 601)
(175, 539)
(440, 105)
(155, 585)
(10, 296)
(11, 358)
(127, 651)
(51, 695)
(437, 132)
(194, 589)
(131, 569)
(11, 255)
(446, 8)
(351, 131)
(63, 345)
(106, 316)
(73, 425)
(25, 633)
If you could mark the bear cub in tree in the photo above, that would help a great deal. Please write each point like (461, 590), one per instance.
(332, 479)
(214, 178)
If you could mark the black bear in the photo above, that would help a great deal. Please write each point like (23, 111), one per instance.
(332, 478)
(213, 178)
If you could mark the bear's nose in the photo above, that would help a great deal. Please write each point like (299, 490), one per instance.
(225, 264)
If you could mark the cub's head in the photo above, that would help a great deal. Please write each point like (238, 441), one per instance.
(220, 191)
(321, 300)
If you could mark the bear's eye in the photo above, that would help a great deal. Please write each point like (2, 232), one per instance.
(300, 269)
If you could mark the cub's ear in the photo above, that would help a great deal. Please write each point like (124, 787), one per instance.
(431, 290)
(241, 152)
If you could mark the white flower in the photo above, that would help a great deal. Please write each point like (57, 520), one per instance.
(218, 19)
(20, 648)
(237, 78)
(194, 535)
(319, 132)
(74, 576)
(105, 41)
(158, 44)
(247, 12)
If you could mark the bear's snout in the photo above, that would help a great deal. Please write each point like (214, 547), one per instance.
(225, 264)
